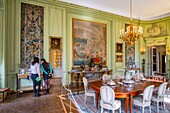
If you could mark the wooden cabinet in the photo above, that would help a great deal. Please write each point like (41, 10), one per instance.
(56, 58)
(55, 55)
(56, 62)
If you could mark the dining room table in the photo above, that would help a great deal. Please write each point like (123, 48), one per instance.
(125, 91)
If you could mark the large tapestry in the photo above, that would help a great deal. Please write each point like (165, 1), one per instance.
(32, 24)
(89, 41)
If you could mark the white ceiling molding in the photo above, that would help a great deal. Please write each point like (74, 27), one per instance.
(141, 9)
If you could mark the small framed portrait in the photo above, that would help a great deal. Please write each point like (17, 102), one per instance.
(55, 42)
(119, 58)
(119, 47)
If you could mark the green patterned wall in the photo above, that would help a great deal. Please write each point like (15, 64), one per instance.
(2, 27)
(58, 22)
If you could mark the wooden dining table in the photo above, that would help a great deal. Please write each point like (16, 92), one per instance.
(124, 91)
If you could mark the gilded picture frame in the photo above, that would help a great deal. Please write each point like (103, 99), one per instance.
(55, 42)
(119, 58)
(89, 41)
(119, 47)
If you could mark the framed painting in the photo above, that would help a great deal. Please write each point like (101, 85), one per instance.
(89, 41)
(119, 47)
(55, 42)
(119, 58)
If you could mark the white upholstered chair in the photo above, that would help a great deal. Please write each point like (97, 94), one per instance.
(160, 96)
(108, 99)
(117, 76)
(167, 93)
(88, 92)
(139, 76)
(136, 76)
(146, 100)
(105, 77)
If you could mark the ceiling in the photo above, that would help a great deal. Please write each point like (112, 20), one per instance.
(141, 9)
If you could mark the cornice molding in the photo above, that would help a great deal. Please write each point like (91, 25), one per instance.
(94, 11)
(71, 8)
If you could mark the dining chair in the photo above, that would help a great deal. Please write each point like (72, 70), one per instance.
(136, 77)
(108, 99)
(167, 93)
(88, 92)
(160, 95)
(146, 100)
(105, 77)
(117, 76)
(139, 76)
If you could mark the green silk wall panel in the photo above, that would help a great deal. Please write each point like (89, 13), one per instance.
(1, 35)
(2, 82)
(58, 22)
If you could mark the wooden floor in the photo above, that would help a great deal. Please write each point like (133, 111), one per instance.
(56, 102)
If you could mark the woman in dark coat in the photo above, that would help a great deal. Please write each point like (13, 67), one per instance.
(47, 73)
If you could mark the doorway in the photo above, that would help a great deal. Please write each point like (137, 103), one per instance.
(158, 59)
(163, 63)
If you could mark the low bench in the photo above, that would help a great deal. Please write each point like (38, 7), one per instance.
(3, 90)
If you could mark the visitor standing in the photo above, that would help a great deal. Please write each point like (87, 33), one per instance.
(35, 76)
(47, 73)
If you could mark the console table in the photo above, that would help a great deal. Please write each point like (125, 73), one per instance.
(20, 89)
(18, 83)
(76, 76)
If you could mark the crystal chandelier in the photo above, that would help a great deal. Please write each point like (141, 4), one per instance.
(132, 33)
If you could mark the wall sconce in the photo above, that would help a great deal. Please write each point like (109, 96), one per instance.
(168, 49)
(142, 50)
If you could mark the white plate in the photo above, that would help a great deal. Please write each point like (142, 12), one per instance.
(111, 83)
(128, 81)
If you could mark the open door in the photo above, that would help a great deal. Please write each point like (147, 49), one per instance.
(163, 63)
(158, 59)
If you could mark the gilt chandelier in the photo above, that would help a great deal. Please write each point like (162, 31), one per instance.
(132, 33)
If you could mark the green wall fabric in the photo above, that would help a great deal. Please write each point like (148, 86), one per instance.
(58, 22)
(2, 32)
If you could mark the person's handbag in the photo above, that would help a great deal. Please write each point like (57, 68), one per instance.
(37, 79)
(50, 75)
